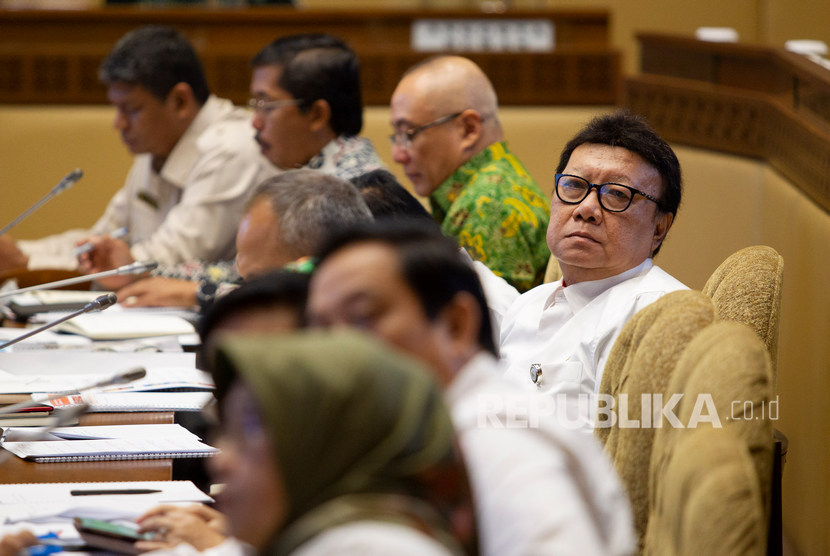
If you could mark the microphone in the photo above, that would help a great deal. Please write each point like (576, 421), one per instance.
(121, 378)
(100, 303)
(67, 182)
(63, 417)
(138, 267)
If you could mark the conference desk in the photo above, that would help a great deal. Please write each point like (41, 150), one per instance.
(16, 470)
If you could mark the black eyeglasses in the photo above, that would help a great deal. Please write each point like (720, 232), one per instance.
(404, 138)
(263, 106)
(613, 197)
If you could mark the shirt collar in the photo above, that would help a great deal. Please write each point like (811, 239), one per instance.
(327, 154)
(186, 152)
(579, 295)
(446, 194)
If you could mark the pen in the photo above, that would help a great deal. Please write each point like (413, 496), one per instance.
(87, 247)
(113, 491)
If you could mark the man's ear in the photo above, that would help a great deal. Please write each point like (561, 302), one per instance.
(661, 228)
(182, 100)
(320, 115)
(471, 122)
(461, 320)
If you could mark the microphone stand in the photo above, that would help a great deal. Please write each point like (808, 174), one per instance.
(99, 304)
(133, 268)
(67, 182)
(121, 378)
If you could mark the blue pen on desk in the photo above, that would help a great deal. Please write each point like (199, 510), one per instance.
(87, 247)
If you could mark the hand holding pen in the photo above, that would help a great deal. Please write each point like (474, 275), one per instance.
(107, 252)
(87, 245)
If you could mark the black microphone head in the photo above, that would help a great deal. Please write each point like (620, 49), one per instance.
(138, 267)
(101, 302)
(130, 375)
(69, 180)
(149, 265)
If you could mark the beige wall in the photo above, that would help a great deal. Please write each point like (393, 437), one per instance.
(729, 203)
(38, 146)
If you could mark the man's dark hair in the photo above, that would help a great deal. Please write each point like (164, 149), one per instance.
(319, 66)
(430, 263)
(157, 58)
(387, 198)
(630, 131)
(282, 289)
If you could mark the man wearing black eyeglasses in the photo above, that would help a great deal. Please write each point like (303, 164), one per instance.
(308, 109)
(448, 139)
(615, 195)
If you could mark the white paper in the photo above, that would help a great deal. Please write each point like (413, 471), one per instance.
(51, 502)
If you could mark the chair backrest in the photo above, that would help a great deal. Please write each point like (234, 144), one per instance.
(725, 379)
(746, 288)
(639, 367)
(709, 501)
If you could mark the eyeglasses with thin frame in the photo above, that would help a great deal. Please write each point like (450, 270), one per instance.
(404, 138)
(613, 197)
(263, 106)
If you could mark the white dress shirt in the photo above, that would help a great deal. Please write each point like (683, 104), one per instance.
(539, 489)
(191, 208)
(498, 293)
(569, 332)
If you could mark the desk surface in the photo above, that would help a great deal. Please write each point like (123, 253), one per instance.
(16, 470)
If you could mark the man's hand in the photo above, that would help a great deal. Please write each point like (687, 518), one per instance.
(12, 545)
(107, 253)
(11, 257)
(159, 292)
(197, 525)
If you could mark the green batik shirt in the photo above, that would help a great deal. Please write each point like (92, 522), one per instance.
(495, 210)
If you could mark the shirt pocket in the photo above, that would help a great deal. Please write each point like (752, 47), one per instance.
(562, 371)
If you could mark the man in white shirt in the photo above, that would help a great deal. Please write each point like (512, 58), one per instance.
(538, 488)
(196, 161)
(617, 190)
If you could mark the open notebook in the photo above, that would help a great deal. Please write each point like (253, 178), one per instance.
(111, 442)
(124, 325)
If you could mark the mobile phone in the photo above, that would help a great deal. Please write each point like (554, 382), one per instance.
(110, 536)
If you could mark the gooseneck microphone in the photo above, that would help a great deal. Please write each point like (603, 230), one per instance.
(99, 304)
(121, 378)
(138, 267)
(67, 182)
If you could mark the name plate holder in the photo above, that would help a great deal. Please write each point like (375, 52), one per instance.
(482, 35)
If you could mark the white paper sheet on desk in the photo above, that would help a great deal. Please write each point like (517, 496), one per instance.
(53, 502)
(112, 443)
(101, 364)
(156, 379)
(48, 340)
(98, 432)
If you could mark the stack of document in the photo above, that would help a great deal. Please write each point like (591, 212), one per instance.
(162, 389)
(108, 443)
